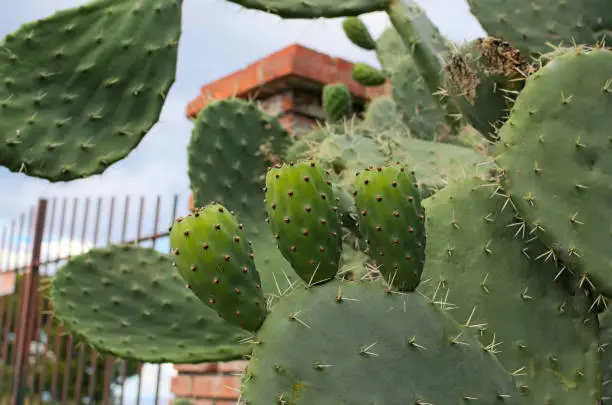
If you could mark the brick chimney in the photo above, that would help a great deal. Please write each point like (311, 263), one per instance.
(287, 84)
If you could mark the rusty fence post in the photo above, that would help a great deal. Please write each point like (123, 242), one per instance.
(27, 314)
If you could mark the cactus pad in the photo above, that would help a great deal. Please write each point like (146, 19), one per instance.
(483, 263)
(521, 23)
(605, 343)
(216, 260)
(393, 222)
(130, 302)
(314, 8)
(303, 216)
(357, 32)
(337, 102)
(556, 156)
(81, 88)
(367, 75)
(352, 343)
(483, 78)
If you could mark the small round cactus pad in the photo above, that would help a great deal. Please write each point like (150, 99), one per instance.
(355, 343)
(81, 88)
(556, 153)
(131, 302)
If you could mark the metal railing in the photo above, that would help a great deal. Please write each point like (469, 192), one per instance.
(39, 362)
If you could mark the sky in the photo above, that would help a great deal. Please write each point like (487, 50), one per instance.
(218, 38)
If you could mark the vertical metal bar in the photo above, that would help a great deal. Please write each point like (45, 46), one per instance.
(81, 357)
(138, 236)
(93, 359)
(58, 330)
(3, 303)
(26, 323)
(108, 367)
(122, 365)
(9, 312)
(70, 339)
(49, 321)
(155, 232)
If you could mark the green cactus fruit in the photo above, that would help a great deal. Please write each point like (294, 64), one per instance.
(216, 260)
(418, 108)
(557, 162)
(337, 102)
(80, 89)
(483, 79)
(130, 302)
(352, 343)
(576, 21)
(232, 144)
(367, 75)
(315, 8)
(301, 209)
(393, 222)
(482, 261)
(357, 32)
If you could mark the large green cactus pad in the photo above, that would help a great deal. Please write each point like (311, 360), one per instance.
(81, 88)
(131, 302)
(533, 27)
(484, 264)
(354, 343)
(605, 342)
(315, 8)
(557, 158)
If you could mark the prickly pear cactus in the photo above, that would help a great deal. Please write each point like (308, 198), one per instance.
(357, 32)
(368, 75)
(129, 301)
(81, 88)
(301, 209)
(567, 22)
(393, 222)
(354, 343)
(314, 8)
(337, 102)
(556, 160)
(497, 280)
(483, 79)
(216, 260)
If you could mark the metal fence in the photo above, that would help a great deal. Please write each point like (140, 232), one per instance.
(39, 362)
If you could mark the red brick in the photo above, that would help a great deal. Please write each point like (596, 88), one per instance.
(211, 386)
(233, 366)
(197, 368)
(203, 402)
(225, 402)
(182, 385)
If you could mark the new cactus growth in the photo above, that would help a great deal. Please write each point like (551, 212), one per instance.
(393, 222)
(304, 218)
(368, 75)
(337, 102)
(216, 260)
(357, 32)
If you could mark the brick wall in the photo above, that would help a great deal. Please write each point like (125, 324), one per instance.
(287, 84)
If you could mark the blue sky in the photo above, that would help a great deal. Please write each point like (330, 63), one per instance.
(218, 38)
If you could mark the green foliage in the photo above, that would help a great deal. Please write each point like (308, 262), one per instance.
(357, 32)
(80, 89)
(367, 75)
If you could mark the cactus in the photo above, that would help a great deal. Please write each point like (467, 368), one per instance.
(80, 89)
(216, 260)
(337, 102)
(485, 265)
(357, 32)
(392, 220)
(128, 301)
(300, 204)
(554, 156)
(367, 75)
(483, 78)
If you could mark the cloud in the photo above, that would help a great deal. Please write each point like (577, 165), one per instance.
(149, 378)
